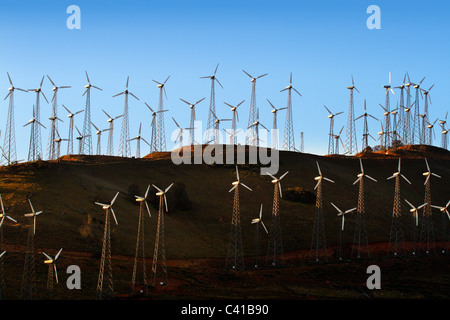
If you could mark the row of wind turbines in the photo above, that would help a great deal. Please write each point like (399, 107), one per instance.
(157, 142)
(407, 124)
(235, 254)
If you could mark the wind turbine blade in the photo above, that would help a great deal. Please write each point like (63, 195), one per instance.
(134, 96)
(405, 178)
(410, 204)
(157, 188)
(234, 187)
(262, 223)
(434, 174)
(260, 212)
(356, 181)
(279, 189)
(428, 168)
(56, 272)
(320, 173)
(165, 201)
(114, 199)
(114, 216)
(57, 255)
(247, 74)
(218, 82)
(339, 210)
(167, 189)
(246, 186)
(371, 178)
(148, 209)
(48, 257)
(284, 175)
(329, 180)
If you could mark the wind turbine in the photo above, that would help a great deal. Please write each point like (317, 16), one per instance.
(444, 138)
(235, 251)
(444, 239)
(256, 124)
(37, 129)
(180, 134)
(360, 236)
(99, 138)
(427, 98)
(366, 133)
(71, 125)
(107, 292)
(396, 238)
(318, 242)
(140, 241)
(58, 141)
(351, 146)
(51, 146)
(415, 215)
(341, 229)
(28, 290)
(257, 222)
(427, 232)
(401, 109)
(160, 138)
(80, 139)
(212, 105)
(416, 123)
(3, 215)
(192, 107)
(387, 109)
(124, 142)
(337, 138)
(407, 126)
(288, 139)
(274, 132)
(235, 117)
(275, 246)
(217, 128)
(252, 117)
(160, 238)
(331, 116)
(138, 139)
(33, 152)
(431, 133)
(154, 128)
(52, 272)
(110, 146)
(86, 146)
(9, 144)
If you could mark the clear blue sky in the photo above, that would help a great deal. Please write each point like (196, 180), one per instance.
(321, 42)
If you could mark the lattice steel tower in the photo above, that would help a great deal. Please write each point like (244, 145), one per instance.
(33, 151)
(351, 145)
(124, 142)
(274, 132)
(416, 133)
(275, 246)
(9, 143)
(210, 135)
(160, 242)
(427, 230)
(318, 242)
(252, 117)
(396, 237)
(37, 116)
(360, 240)
(86, 142)
(140, 243)
(160, 139)
(331, 146)
(106, 292)
(235, 253)
(288, 138)
(28, 290)
(366, 133)
(51, 144)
